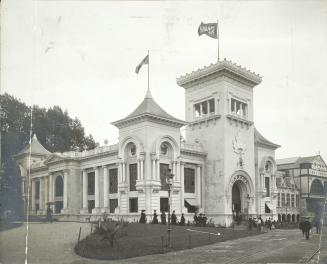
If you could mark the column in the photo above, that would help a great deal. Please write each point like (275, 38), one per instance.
(41, 195)
(105, 188)
(178, 174)
(96, 188)
(141, 168)
(120, 172)
(153, 176)
(198, 185)
(85, 194)
(33, 195)
(263, 181)
(174, 170)
(124, 171)
(182, 185)
(65, 208)
(158, 170)
(46, 191)
(138, 176)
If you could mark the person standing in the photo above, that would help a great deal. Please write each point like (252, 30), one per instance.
(173, 218)
(155, 217)
(49, 214)
(301, 226)
(307, 227)
(182, 222)
(163, 218)
(143, 217)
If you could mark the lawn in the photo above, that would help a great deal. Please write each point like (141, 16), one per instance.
(146, 239)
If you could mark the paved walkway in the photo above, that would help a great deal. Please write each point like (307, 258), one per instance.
(53, 243)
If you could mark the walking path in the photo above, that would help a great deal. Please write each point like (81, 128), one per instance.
(54, 243)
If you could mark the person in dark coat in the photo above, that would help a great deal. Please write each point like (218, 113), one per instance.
(163, 218)
(318, 226)
(196, 218)
(49, 213)
(173, 218)
(155, 218)
(182, 222)
(307, 227)
(301, 226)
(143, 217)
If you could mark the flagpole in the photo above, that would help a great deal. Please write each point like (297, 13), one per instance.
(218, 36)
(148, 71)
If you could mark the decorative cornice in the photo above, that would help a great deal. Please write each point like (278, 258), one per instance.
(232, 69)
(206, 120)
(149, 117)
(238, 120)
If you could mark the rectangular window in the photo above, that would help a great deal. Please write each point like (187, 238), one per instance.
(204, 107)
(133, 205)
(91, 205)
(37, 190)
(211, 105)
(292, 200)
(163, 172)
(197, 109)
(238, 108)
(113, 180)
(91, 183)
(267, 186)
(288, 199)
(283, 199)
(113, 204)
(163, 204)
(232, 106)
(132, 176)
(297, 201)
(278, 199)
(189, 180)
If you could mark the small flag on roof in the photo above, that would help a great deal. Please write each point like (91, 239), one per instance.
(210, 29)
(143, 62)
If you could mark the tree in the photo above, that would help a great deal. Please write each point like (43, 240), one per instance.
(55, 129)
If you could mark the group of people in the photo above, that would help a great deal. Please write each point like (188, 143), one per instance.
(260, 224)
(200, 220)
(163, 218)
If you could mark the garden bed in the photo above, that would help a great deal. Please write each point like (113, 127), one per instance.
(145, 239)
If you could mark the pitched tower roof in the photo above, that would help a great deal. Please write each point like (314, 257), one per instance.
(149, 109)
(36, 148)
(260, 139)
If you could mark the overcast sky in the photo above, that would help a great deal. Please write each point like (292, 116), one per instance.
(81, 55)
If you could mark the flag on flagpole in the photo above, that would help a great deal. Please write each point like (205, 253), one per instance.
(210, 29)
(143, 62)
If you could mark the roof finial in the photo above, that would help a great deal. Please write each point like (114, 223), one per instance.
(148, 94)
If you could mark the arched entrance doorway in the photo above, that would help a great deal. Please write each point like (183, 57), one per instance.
(59, 192)
(236, 199)
(240, 198)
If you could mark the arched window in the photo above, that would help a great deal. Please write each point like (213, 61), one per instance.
(132, 149)
(317, 188)
(164, 149)
(59, 192)
(59, 184)
(268, 166)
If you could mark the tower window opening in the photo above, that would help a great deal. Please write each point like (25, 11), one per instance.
(204, 108)
(238, 108)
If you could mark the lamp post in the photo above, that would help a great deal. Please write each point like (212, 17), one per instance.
(169, 180)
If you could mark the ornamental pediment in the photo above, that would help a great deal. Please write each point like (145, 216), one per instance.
(319, 165)
(54, 158)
